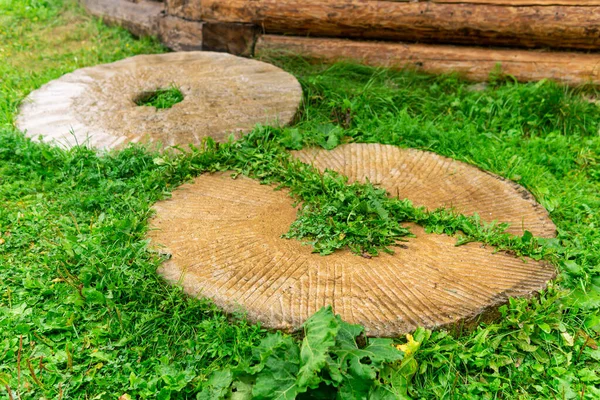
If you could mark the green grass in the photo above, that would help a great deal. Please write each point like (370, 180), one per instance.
(160, 98)
(84, 315)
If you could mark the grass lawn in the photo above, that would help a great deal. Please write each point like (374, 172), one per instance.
(84, 315)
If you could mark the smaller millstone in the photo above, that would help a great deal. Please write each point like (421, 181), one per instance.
(224, 238)
(222, 95)
(430, 180)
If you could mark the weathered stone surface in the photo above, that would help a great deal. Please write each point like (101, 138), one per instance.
(224, 237)
(223, 94)
(140, 17)
(189, 9)
(433, 181)
(231, 38)
(179, 34)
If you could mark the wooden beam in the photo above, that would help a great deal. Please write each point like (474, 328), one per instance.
(555, 26)
(179, 34)
(582, 3)
(140, 18)
(471, 62)
(232, 38)
(188, 9)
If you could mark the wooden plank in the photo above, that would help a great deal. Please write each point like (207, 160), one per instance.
(179, 34)
(188, 9)
(582, 3)
(471, 62)
(464, 23)
(510, 3)
(232, 38)
(140, 18)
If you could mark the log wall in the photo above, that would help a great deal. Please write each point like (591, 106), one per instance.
(500, 24)
(315, 28)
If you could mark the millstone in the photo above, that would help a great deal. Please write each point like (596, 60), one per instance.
(224, 238)
(433, 181)
(223, 94)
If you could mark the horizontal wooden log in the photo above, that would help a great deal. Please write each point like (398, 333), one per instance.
(471, 62)
(179, 34)
(237, 39)
(140, 18)
(145, 18)
(555, 26)
(188, 9)
(524, 2)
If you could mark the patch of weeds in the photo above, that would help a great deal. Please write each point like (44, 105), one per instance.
(354, 216)
(333, 214)
(160, 98)
(334, 360)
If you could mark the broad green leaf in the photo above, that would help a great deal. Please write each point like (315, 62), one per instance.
(321, 330)
(218, 386)
(588, 375)
(594, 353)
(277, 378)
(565, 387)
(241, 390)
(384, 393)
(541, 356)
(292, 139)
(526, 346)
(545, 327)
(360, 366)
(268, 346)
(587, 300)
(593, 322)
(573, 268)
(164, 394)
(382, 351)
(395, 385)
(100, 355)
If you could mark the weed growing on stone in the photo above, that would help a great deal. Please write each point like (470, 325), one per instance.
(160, 98)
(83, 313)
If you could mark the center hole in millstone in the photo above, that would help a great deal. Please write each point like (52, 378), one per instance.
(160, 98)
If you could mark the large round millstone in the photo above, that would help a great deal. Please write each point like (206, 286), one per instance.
(433, 181)
(223, 94)
(224, 238)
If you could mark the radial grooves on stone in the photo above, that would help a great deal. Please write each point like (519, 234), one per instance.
(433, 181)
(225, 243)
(223, 95)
